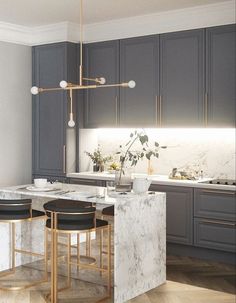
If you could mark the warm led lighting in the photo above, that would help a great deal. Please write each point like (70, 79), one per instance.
(131, 84)
(63, 84)
(34, 90)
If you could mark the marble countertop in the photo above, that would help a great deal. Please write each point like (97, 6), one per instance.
(156, 179)
(84, 193)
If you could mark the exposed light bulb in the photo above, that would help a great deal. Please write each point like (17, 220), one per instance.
(34, 90)
(63, 84)
(131, 84)
(71, 122)
(102, 80)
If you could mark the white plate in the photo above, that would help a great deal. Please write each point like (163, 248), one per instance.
(33, 188)
(79, 194)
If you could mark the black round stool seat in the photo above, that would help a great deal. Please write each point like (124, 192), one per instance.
(19, 209)
(69, 206)
(73, 215)
(108, 211)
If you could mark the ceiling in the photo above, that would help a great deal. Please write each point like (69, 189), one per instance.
(43, 12)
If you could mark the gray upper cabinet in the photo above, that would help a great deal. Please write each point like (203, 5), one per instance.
(179, 213)
(51, 64)
(139, 61)
(221, 76)
(101, 104)
(182, 79)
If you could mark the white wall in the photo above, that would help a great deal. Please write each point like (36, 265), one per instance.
(15, 114)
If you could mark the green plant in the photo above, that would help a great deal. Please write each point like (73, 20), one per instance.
(97, 156)
(133, 156)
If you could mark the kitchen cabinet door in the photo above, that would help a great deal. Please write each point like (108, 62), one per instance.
(182, 79)
(221, 76)
(51, 64)
(179, 213)
(139, 61)
(101, 104)
(215, 204)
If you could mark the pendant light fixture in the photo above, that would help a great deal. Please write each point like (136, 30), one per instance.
(99, 82)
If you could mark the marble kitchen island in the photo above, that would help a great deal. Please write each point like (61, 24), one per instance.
(139, 234)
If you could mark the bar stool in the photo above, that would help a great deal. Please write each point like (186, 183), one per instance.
(12, 212)
(69, 218)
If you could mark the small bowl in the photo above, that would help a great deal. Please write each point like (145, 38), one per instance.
(40, 183)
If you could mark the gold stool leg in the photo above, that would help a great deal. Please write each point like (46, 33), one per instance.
(78, 251)
(101, 250)
(13, 245)
(46, 253)
(69, 261)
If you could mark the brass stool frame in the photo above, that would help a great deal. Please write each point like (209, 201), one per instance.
(15, 250)
(54, 252)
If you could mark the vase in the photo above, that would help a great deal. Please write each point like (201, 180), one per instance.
(95, 167)
(123, 180)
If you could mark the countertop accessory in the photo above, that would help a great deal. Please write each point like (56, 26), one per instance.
(141, 185)
(97, 82)
(40, 189)
(40, 182)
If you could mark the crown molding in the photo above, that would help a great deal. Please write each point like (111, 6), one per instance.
(169, 21)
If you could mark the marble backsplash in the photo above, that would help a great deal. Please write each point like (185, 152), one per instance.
(209, 150)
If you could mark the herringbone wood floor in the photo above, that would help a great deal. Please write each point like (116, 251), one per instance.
(188, 281)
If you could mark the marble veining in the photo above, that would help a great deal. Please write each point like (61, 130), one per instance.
(210, 150)
(140, 245)
(139, 236)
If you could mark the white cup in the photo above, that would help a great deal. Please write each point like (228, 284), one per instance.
(40, 183)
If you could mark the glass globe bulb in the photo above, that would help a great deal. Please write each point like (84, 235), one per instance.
(131, 84)
(63, 84)
(102, 80)
(34, 90)
(71, 123)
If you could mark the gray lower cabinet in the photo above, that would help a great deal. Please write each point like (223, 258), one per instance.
(51, 64)
(179, 213)
(182, 79)
(90, 182)
(139, 61)
(215, 219)
(221, 76)
(102, 104)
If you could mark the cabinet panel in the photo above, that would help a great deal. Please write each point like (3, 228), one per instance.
(139, 62)
(182, 79)
(51, 64)
(221, 75)
(179, 213)
(101, 104)
(90, 182)
(215, 204)
(217, 235)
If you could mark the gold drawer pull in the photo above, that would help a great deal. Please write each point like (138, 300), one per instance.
(220, 192)
(218, 222)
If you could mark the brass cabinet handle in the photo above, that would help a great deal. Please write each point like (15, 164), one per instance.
(64, 159)
(157, 109)
(206, 109)
(218, 222)
(116, 110)
(160, 110)
(220, 192)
